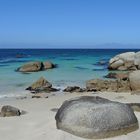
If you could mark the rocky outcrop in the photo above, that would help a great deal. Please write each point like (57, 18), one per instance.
(125, 61)
(41, 85)
(8, 111)
(74, 89)
(36, 66)
(101, 85)
(119, 85)
(124, 82)
(95, 117)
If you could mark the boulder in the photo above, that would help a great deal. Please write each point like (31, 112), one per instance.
(124, 61)
(122, 68)
(36, 66)
(130, 65)
(41, 85)
(31, 67)
(116, 64)
(73, 89)
(7, 111)
(48, 65)
(127, 56)
(95, 117)
(134, 78)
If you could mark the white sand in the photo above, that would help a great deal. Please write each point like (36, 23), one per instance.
(39, 122)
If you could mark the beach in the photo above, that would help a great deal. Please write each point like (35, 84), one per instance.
(39, 121)
(69, 70)
(38, 85)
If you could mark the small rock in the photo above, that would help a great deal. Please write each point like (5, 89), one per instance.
(73, 89)
(8, 111)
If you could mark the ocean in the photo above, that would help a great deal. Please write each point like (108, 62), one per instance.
(74, 67)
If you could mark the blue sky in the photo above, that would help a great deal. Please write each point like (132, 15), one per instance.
(69, 22)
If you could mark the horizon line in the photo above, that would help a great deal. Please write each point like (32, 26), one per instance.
(73, 48)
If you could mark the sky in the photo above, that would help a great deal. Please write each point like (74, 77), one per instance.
(69, 23)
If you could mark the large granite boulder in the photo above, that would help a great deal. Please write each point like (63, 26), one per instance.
(134, 78)
(95, 117)
(124, 61)
(31, 67)
(41, 85)
(8, 111)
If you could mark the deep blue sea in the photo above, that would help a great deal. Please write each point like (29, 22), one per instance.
(75, 66)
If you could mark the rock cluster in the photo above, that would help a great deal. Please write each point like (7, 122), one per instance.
(123, 83)
(36, 66)
(125, 61)
(108, 85)
(95, 117)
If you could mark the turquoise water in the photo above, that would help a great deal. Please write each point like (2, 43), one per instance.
(74, 67)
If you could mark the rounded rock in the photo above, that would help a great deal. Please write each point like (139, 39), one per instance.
(95, 117)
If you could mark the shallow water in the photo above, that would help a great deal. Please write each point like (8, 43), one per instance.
(75, 66)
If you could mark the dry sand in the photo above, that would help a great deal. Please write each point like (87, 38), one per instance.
(39, 122)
